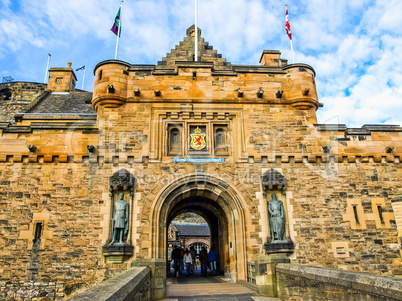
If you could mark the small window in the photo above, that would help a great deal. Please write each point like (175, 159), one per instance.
(174, 138)
(219, 136)
(38, 231)
(380, 214)
(175, 134)
(100, 75)
(355, 213)
(221, 140)
(340, 251)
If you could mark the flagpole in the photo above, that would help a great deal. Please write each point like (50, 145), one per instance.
(288, 31)
(118, 32)
(83, 78)
(47, 67)
(196, 33)
(291, 48)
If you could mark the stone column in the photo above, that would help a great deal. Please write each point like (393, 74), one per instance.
(158, 276)
(265, 274)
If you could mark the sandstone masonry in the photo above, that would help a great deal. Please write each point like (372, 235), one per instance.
(342, 201)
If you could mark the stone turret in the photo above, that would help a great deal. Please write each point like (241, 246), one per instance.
(62, 79)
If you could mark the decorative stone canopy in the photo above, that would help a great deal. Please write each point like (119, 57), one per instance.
(122, 180)
(273, 179)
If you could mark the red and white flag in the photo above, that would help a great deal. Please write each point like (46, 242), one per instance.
(287, 26)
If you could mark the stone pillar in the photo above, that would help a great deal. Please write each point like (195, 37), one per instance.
(158, 276)
(265, 274)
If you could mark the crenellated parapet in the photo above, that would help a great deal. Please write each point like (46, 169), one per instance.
(179, 78)
(117, 83)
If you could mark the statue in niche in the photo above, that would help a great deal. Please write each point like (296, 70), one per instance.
(120, 220)
(276, 216)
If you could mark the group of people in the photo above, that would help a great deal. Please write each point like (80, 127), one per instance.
(181, 258)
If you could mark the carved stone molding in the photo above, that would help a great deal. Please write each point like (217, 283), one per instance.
(273, 179)
(122, 180)
(283, 247)
(117, 253)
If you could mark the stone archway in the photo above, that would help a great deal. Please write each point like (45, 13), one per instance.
(220, 204)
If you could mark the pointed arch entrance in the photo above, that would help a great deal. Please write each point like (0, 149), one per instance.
(219, 204)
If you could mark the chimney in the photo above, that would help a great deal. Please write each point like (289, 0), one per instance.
(271, 58)
(62, 79)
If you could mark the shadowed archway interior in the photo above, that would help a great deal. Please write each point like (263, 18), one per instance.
(217, 222)
(219, 205)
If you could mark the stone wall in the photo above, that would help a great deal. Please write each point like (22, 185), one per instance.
(134, 284)
(26, 91)
(22, 96)
(20, 290)
(337, 201)
(296, 282)
(72, 201)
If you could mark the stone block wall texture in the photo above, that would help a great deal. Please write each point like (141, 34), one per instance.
(21, 290)
(296, 282)
(134, 284)
(338, 203)
(66, 188)
(22, 95)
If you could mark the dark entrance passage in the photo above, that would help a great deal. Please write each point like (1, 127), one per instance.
(192, 279)
(221, 207)
(216, 220)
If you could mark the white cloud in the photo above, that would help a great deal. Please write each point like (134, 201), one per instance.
(388, 20)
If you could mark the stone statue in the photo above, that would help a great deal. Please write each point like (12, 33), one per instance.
(120, 220)
(276, 216)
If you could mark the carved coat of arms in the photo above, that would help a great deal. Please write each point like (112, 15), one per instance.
(197, 141)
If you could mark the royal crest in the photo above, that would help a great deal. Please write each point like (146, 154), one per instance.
(198, 139)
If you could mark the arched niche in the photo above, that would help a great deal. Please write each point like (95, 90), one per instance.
(273, 182)
(121, 182)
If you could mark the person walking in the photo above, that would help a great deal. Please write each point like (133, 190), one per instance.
(204, 261)
(181, 260)
(194, 256)
(188, 260)
(176, 260)
(212, 256)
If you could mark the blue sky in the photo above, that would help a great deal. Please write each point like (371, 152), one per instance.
(355, 46)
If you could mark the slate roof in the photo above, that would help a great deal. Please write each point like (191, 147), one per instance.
(72, 102)
(201, 230)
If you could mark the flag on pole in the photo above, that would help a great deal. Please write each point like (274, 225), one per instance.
(287, 26)
(80, 68)
(116, 25)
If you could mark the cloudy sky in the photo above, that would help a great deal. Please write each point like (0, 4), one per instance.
(355, 46)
